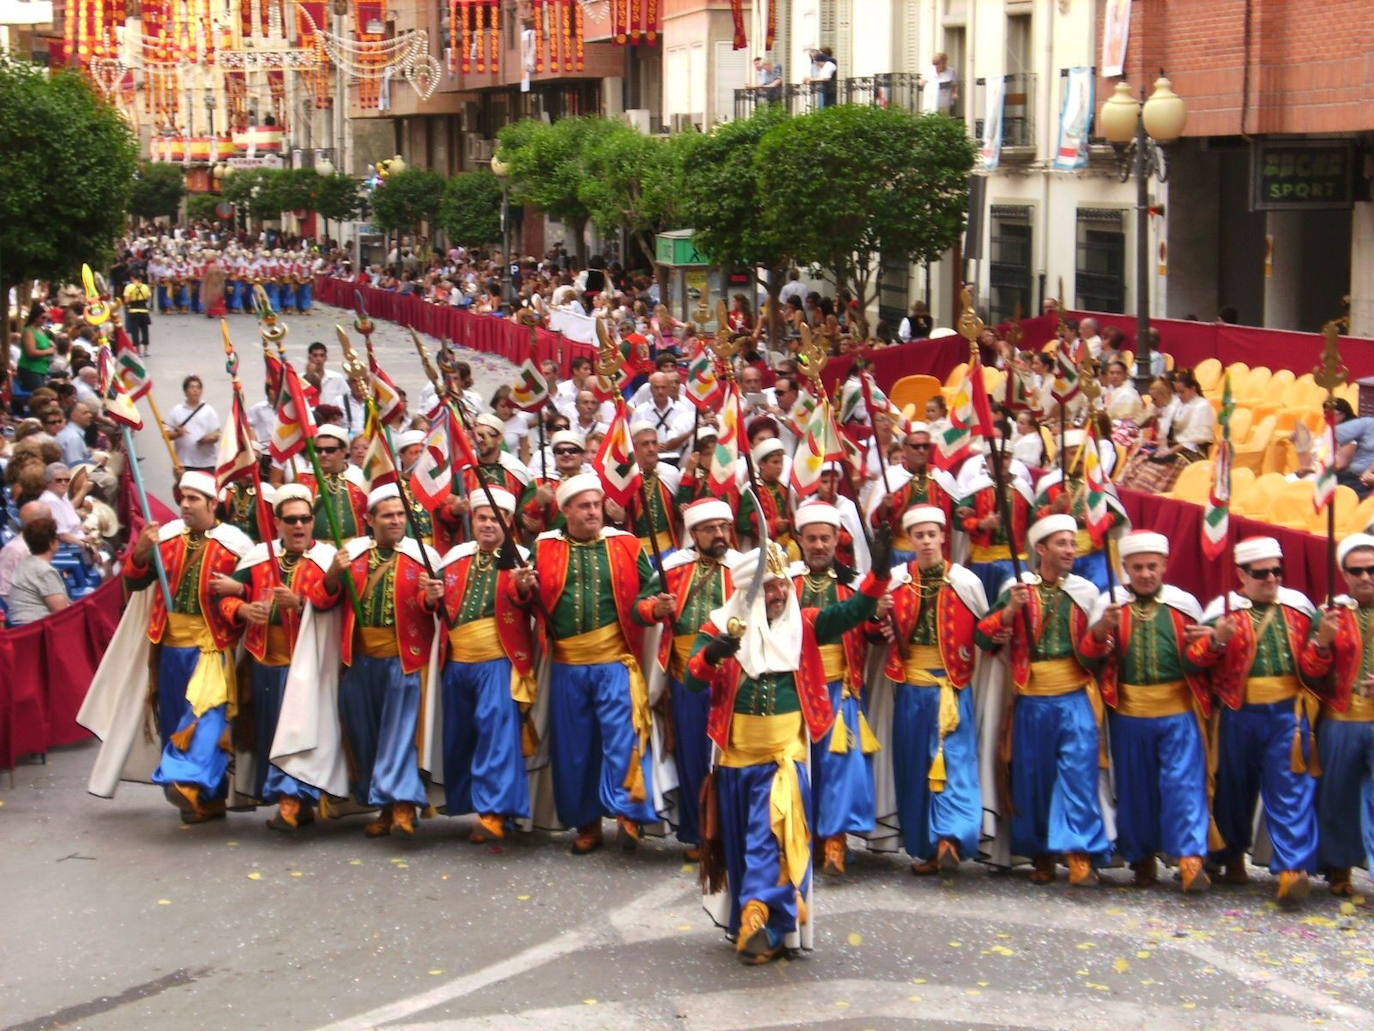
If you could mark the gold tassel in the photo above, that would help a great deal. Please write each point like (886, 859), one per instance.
(634, 777)
(937, 775)
(181, 740)
(867, 739)
(529, 738)
(226, 741)
(839, 736)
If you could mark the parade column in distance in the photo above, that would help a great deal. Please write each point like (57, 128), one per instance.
(1053, 743)
(488, 683)
(195, 674)
(1155, 685)
(1345, 796)
(768, 703)
(841, 759)
(385, 653)
(934, 739)
(589, 579)
(1266, 681)
(699, 578)
(270, 603)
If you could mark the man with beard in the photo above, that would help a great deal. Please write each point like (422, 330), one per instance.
(272, 591)
(759, 655)
(384, 652)
(934, 739)
(1154, 683)
(698, 577)
(841, 759)
(1055, 746)
(344, 492)
(589, 582)
(488, 680)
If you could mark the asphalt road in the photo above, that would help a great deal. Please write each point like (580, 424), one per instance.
(114, 916)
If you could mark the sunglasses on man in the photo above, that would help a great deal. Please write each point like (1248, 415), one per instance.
(1263, 574)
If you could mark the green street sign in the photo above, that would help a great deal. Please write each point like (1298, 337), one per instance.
(677, 249)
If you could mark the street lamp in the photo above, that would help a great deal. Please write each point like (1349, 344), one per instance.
(1136, 129)
(501, 170)
(324, 166)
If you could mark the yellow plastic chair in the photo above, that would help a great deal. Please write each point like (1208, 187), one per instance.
(1194, 483)
(1208, 373)
(1241, 479)
(914, 390)
(1362, 517)
(1258, 382)
(1251, 453)
(1241, 421)
(1254, 499)
(1351, 393)
(1292, 506)
(1281, 380)
(1346, 502)
(956, 375)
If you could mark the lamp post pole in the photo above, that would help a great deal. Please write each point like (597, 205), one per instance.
(1142, 250)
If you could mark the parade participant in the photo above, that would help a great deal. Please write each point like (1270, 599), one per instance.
(161, 272)
(136, 310)
(1057, 494)
(488, 680)
(286, 283)
(768, 702)
(772, 495)
(495, 466)
(181, 285)
(661, 484)
(409, 449)
(934, 738)
(1264, 680)
(305, 285)
(590, 578)
(1154, 684)
(980, 514)
(912, 483)
(1346, 743)
(345, 491)
(267, 274)
(698, 577)
(272, 591)
(695, 482)
(238, 503)
(379, 697)
(540, 511)
(198, 553)
(841, 763)
(851, 547)
(233, 280)
(1053, 743)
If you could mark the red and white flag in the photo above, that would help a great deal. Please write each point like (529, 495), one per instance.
(531, 388)
(295, 423)
(389, 406)
(133, 374)
(821, 444)
(236, 455)
(431, 481)
(703, 385)
(615, 459)
(728, 444)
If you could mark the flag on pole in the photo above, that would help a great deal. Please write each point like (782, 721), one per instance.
(378, 468)
(531, 388)
(1097, 514)
(821, 444)
(615, 459)
(389, 406)
(295, 424)
(236, 454)
(703, 385)
(1065, 386)
(119, 405)
(431, 481)
(133, 374)
(1216, 519)
(969, 416)
(728, 443)
(1324, 490)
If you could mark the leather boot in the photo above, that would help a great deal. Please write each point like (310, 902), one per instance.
(1194, 874)
(834, 856)
(1338, 879)
(588, 839)
(1043, 873)
(753, 943)
(1081, 872)
(381, 827)
(1294, 888)
(403, 818)
(947, 856)
(489, 827)
(627, 834)
(1146, 872)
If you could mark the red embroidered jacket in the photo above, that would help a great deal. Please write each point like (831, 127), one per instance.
(954, 621)
(307, 583)
(414, 623)
(218, 559)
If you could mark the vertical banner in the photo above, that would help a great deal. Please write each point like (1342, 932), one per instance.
(1116, 30)
(1075, 119)
(992, 122)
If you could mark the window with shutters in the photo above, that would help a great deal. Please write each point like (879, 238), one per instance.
(1100, 269)
(893, 296)
(1009, 270)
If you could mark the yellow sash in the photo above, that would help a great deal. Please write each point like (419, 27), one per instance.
(186, 631)
(476, 641)
(833, 662)
(607, 644)
(925, 668)
(1153, 700)
(1051, 678)
(378, 642)
(1361, 710)
(278, 651)
(679, 656)
(1267, 690)
(758, 740)
(665, 543)
(991, 553)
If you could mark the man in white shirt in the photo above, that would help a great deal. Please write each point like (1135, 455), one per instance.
(87, 383)
(262, 417)
(57, 478)
(1090, 335)
(586, 418)
(671, 418)
(332, 384)
(15, 550)
(354, 408)
(792, 288)
(566, 397)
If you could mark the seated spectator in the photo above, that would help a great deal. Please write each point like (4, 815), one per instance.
(72, 436)
(38, 588)
(57, 479)
(16, 550)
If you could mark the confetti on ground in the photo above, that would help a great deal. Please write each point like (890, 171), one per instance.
(256, 875)
(684, 927)
(355, 862)
(686, 867)
(232, 844)
(588, 1002)
(855, 938)
(918, 980)
(1121, 965)
(998, 950)
(914, 998)
(297, 873)
(164, 902)
(436, 973)
(984, 984)
(956, 945)
(1347, 909)
(1190, 1005)
(402, 866)
(518, 898)
(1085, 946)
(1097, 987)
(839, 1003)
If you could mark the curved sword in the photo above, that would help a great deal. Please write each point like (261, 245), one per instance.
(737, 626)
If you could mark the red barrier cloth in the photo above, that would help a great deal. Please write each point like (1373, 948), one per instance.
(1304, 554)
(46, 667)
(1191, 342)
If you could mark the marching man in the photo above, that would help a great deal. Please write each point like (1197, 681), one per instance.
(488, 681)
(343, 491)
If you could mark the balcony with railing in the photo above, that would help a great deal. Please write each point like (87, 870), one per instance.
(901, 90)
(1018, 115)
(798, 98)
(1095, 137)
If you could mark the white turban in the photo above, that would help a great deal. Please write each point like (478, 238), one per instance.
(764, 448)
(704, 511)
(1143, 542)
(329, 429)
(817, 512)
(380, 494)
(504, 499)
(1073, 438)
(568, 437)
(923, 514)
(201, 483)
(409, 438)
(491, 422)
(575, 485)
(1355, 540)
(289, 492)
(639, 426)
(1046, 527)
(1252, 549)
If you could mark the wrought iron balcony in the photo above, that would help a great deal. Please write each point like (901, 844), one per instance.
(1018, 111)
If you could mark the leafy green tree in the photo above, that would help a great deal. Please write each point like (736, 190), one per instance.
(157, 191)
(635, 182)
(69, 165)
(200, 207)
(470, 212)
(548, 167)
(850, 185)
(723, 201)
(407, 199)
(336, 199)
(250, 191)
